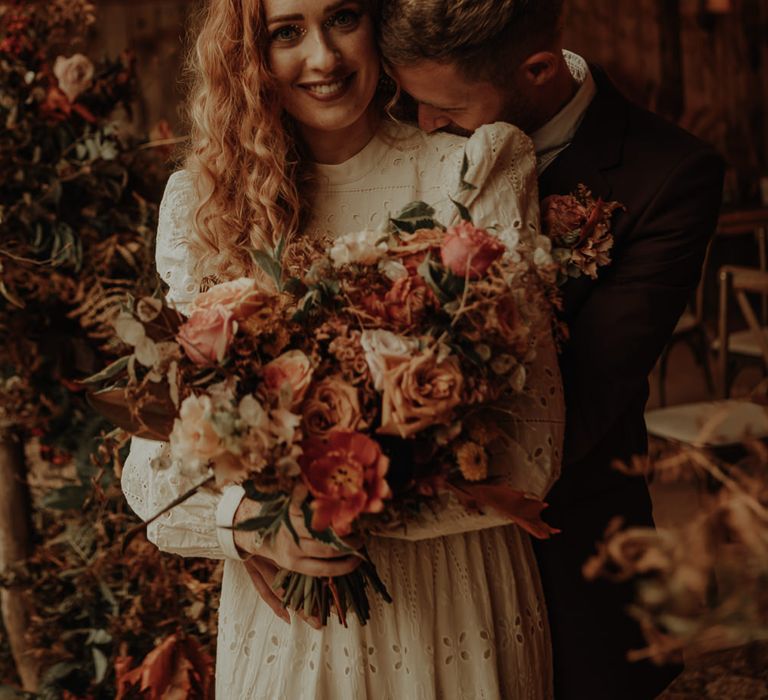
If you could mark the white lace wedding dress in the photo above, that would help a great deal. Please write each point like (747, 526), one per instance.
(468, 619)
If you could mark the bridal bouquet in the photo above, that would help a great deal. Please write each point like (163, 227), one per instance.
(353, 381)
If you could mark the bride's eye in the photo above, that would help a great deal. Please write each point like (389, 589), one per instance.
(286, 33)
(344, 19)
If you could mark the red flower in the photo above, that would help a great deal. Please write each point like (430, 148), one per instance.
(345, 474)
(469, 250)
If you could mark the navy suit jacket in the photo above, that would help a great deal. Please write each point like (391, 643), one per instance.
(670, 184)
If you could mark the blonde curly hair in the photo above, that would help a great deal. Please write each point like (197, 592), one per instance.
(242, 153)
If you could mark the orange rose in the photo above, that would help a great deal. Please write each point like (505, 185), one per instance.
(241, 297)
(332, 405)
(345, 474)
(207, 334)
(469, 250)
(562, 216)
(293, 368)
(418, 392)
(408, 301)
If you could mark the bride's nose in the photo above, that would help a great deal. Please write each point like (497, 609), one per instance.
(322, 55)
(431, 119)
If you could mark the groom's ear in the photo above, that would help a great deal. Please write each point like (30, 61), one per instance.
(539, 68)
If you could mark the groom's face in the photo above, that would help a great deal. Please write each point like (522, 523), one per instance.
(449, 101)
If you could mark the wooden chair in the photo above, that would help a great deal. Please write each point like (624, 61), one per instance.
(751, 343)
(691, 328)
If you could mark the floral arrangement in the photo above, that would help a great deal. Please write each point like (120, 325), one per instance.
(579, 230)
(700, 582)
(390, 344)
(77, 218)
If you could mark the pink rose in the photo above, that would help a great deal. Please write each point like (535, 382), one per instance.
(468, 249)
(241, 297)
(207, 334)
(345, 474)
(292, 367)
(74, 75)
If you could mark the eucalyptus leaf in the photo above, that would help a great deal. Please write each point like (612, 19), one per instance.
(111, 370)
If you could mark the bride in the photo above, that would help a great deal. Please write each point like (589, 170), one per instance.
(289, 136)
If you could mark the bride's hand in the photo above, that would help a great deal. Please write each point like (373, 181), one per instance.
(308, 557)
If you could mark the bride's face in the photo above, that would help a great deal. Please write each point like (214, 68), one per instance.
(325, 60)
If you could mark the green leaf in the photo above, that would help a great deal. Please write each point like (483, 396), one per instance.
(111, 370)
(269, 265)
(425, 270)
(414, 216)
(463, 211)
(257, 524)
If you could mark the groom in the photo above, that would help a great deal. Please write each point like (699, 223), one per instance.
(471, 63)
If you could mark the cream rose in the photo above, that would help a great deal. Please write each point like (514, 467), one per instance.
(194, 440)
(331, 405)
(241, 297)
(362, 248)
(419, 392)
(293, 368)
(379, 346)
(74, 75)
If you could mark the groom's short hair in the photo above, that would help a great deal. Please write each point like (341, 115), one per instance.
(485, 38)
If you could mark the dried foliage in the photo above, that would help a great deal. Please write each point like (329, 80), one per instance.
(75, 211)
(702, 585)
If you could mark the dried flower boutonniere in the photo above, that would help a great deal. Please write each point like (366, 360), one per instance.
(579, 227)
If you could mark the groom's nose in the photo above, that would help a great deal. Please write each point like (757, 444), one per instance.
(432, 119)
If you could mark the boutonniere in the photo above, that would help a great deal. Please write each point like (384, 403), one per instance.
(579, 228)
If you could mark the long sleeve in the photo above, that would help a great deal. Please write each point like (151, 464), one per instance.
(150, 480)
(502, 169)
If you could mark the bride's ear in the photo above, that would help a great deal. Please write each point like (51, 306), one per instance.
(539, 68)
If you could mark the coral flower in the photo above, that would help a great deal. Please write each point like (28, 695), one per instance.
(345, 474)
(468, 250)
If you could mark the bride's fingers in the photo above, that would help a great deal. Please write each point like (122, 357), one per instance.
(326, 567)
(262, 574)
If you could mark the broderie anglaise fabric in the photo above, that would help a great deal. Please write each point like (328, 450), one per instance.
(468, 619)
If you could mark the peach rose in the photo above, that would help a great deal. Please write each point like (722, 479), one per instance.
(194, 441)
(418, 392)
(469, 250)
(207, 334)
(346, 475)
(241, 297)
(74, 75)
(293, 368)
(506, 320)
(332, 405)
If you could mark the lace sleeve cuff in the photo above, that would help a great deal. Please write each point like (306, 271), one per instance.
(225, 515)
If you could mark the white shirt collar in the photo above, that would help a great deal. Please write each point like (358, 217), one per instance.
(556, 135)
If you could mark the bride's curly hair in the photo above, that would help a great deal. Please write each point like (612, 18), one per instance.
(242, 153)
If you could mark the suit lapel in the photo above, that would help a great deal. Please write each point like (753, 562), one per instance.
(597, 146)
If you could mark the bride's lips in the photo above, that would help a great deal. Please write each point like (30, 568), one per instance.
(328, 90)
